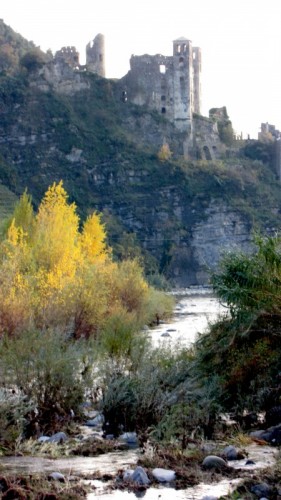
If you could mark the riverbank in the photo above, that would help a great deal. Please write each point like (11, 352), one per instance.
(101, 476)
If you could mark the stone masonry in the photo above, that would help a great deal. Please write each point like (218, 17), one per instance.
(170, 85)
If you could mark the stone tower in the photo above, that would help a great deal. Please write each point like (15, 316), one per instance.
(183, 83)
(95, 56)
(196, 55)
(168, 84)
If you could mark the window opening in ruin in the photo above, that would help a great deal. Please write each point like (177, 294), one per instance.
(162, 68)
(100, 57)
(181, 80)
(163, 98)
(194, 55)
(163, 110)
(178, 49)
(184, 48)
(181, 59)
(207, 153)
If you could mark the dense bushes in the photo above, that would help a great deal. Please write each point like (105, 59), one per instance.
(241, 352)
(46, 371)
(63, 303)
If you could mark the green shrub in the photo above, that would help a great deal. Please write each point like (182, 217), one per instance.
(46, 369)
(241, 351)
(121, 344)
(139, 399)
(157, 306)
(13, 411)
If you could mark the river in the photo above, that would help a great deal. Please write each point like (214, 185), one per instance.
(195, 309)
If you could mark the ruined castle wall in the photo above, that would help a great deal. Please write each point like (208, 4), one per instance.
(95, 56)
(150, 83)
(164, 84)
(68, 55)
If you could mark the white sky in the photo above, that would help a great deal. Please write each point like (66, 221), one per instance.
(240, 42)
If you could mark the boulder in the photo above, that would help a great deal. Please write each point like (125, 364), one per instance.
(250, 462)
(127, 474)
(231, 453)
(261, 490)
(130, 438)
(139, 476)
(275, 435)
(43, 439)
(59, 437)
(214, 462)
(57, 476)
(164, 475)
(96, 421)
(271, 435)
(257, 434)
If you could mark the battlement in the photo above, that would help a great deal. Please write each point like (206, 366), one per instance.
(68, 55)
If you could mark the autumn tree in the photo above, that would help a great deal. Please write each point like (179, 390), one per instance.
(54, 275)
(43, 254)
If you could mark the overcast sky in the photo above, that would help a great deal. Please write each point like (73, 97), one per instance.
(240, 42)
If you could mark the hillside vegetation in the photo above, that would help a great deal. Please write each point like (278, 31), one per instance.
(107, 154)
(7, 202)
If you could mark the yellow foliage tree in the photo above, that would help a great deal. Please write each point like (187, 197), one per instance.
(55, 243)
(92, 240)
(54, 276)
(46, 253)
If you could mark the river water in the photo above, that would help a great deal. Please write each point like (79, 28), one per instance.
(194, 311)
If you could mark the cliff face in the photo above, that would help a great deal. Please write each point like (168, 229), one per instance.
(57, 123)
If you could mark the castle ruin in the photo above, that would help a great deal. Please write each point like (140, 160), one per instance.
(170, 85)
(95, 56)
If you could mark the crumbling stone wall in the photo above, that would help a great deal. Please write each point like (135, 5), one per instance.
(68, 55)
(168, 84)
